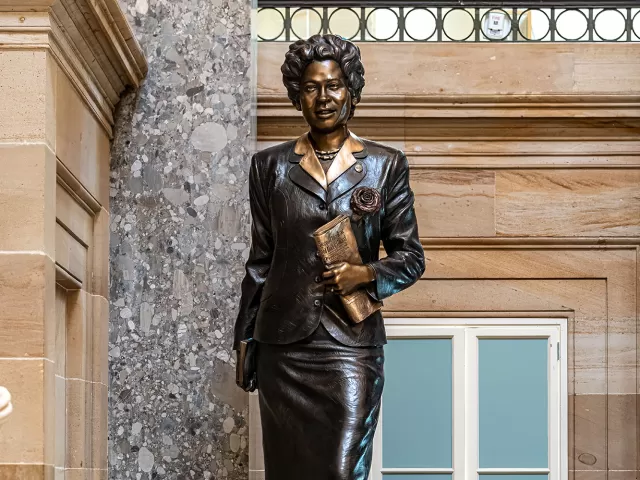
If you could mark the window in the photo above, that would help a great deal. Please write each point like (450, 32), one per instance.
(482, 399)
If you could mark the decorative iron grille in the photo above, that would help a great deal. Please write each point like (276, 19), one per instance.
(428, 23)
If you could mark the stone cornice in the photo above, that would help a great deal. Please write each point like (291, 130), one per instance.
(91, 41)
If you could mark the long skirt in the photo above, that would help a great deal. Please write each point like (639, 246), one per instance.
(319, 404)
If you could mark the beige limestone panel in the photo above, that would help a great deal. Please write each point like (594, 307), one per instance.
(100, 339)
(100, 474)
(528, 127)
(568, 203)
(512, 149)
(78, 474)
(23, 434)
(27, 316)
(457, 69)
(590, 361)
(622, 433)
(618, 73)
(570, 425)
(622, 349)
(623, 475)
(49, 405)
(256, 453)
(589, 475)
(81, 143)
(79, 335)
(490, 295)
(26, 472)
(590, 426)
(99, 428)
(73, 216)
(615, 264)
(454, 203)
(27, 197)
(495, 159)
(50, 101)
(70, 254)
(78, 398)
(256, 474)
(24, 87)
(61, 331)
(60, 435)
(100, 256)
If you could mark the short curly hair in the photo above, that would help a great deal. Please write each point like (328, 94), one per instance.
(319, 48)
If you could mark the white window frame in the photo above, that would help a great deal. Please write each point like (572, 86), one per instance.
(465, 333)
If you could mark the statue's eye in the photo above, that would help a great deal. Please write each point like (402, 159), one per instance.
(334, 86)
(309, 88)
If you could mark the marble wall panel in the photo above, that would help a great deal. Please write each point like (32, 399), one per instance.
(179, 237)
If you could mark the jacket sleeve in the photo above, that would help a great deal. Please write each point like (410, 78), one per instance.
(259, 261)
(404, 263)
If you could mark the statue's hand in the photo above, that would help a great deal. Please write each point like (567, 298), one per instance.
(345, 278)
(252, 384)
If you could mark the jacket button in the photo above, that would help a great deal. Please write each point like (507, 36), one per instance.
(358, 167)
(317, 303)
(322, 206)
(318, 279)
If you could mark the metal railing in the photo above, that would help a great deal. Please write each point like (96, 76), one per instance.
(445, 22)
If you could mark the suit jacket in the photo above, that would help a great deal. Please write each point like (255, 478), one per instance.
(290, 196)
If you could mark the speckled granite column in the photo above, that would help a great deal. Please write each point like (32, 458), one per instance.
(179, 239)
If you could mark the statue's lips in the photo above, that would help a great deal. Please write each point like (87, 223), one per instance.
(324, 113)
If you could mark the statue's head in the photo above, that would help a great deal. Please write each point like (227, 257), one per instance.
(324, 77)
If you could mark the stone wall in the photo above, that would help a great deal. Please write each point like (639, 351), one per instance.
(179, 239)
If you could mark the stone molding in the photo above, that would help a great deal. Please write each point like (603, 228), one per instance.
(387, 107)
(91, 41)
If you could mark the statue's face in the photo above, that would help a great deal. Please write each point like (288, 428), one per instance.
(325, 100)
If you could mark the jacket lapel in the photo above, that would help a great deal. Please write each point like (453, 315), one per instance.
(344, 173)
(345, 182)
(301, 178)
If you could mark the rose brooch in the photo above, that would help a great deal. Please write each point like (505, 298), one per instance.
(365, 201)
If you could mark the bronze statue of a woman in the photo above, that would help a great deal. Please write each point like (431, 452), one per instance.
(319, 374)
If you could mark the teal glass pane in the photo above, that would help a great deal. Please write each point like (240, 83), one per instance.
(417, 404)
(513, 477)
(417, 476)
(513, 403)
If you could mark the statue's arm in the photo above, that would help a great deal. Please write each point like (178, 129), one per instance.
(259, 261)
(404, 263)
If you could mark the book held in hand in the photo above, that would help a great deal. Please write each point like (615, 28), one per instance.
(337, 243)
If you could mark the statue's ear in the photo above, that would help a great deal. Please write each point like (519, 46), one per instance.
(298, 106)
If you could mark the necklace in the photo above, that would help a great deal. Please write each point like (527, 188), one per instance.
(327, 155)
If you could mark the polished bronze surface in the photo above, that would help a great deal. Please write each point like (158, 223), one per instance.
(283, 299)
(319, 373)
(319, 408)
(340, 164)
(337, 243)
